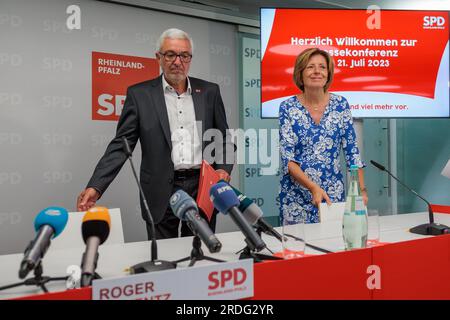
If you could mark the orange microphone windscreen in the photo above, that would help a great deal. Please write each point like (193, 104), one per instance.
(96, 223)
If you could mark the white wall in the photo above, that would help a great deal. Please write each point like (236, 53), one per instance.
(49, 144)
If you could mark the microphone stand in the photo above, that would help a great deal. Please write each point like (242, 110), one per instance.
(248, 253)
(196, 254)
(262, 227)
(154, 264)
(431, 228)
(308, 244)
(38, 280)
(86, 279)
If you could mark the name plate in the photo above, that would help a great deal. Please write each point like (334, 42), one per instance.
(221, 281)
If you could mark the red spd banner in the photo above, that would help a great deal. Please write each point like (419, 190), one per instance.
(112, 74)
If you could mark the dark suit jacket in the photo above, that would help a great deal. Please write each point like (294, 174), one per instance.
(144, 117)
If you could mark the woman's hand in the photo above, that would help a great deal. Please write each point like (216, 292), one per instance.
(318, 194)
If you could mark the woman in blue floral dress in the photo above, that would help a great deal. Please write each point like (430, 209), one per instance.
(314, 125)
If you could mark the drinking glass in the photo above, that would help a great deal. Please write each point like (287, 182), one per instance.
(373, 234)
(293, 232)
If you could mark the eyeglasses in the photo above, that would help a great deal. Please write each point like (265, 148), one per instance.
(171, 56)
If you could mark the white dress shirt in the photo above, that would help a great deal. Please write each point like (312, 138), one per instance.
(186, 143)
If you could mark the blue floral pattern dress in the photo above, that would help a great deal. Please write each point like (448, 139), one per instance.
(315, 148)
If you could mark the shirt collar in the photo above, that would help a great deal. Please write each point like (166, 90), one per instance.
(168, 87)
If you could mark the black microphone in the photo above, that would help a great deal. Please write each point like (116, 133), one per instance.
(430, 228)
(254, 215)
(382, 168)
(226, 201)
(379, 166)
(154, 264)
(185, 208)
(49, 223)
(95, 230)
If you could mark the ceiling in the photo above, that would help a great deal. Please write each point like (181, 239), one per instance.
(250, 8)
(247, 12)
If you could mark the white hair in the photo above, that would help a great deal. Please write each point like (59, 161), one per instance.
(173, 33)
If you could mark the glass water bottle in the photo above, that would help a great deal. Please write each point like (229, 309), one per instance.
(354, 224)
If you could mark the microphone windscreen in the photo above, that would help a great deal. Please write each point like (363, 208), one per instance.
(252, 213)
(56, 217)
(379, 166)
(244, 201)
(223, 197)
(96, 223)
(181, 202)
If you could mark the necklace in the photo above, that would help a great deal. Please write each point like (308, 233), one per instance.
(315, 108)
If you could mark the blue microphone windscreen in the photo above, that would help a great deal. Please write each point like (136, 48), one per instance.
(56, 217)
(181, 202)
(223, 197)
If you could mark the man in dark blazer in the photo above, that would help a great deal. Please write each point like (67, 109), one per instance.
(161, 113)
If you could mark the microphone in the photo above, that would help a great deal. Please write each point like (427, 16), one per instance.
(379, 166)
(49, 223)
(254, 215)
(185, 208)
(95, 230)
(154, 264)
(430, 228)
(226, 201)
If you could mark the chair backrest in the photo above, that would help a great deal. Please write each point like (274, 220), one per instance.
(71, 235)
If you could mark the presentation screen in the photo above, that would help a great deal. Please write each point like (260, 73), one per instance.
(388, 63)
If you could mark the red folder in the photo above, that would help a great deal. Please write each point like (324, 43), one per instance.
(438, 208)
(208, 177)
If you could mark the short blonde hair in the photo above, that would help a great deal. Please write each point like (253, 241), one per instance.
(302, 61)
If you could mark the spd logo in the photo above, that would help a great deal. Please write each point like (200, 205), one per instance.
(433, 22)
(112, 74)
(228, 278)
